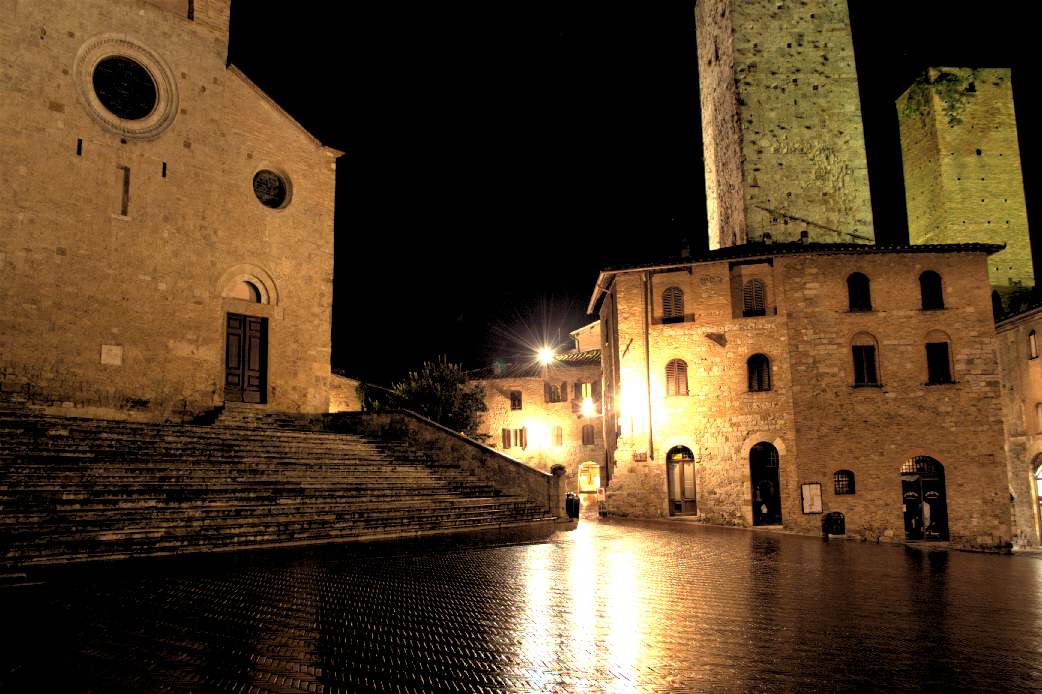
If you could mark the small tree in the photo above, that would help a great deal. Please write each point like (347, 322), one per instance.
(440, 392)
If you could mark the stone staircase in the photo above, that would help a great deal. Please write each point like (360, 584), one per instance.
(74, 489)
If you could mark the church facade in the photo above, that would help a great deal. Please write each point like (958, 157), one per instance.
(167, 238)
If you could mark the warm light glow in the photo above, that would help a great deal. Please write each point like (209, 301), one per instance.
(546, 355)
(588, 406)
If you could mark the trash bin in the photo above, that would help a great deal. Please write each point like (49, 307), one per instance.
(572, 505)
(834, 524)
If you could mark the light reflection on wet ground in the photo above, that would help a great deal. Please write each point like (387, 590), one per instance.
(614, 606)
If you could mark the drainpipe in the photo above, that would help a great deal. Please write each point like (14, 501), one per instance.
(647, 356)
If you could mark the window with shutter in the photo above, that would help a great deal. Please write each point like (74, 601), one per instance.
(587, 434)
(759, 373)
(506, 438)
(755, 298)
(676, 377)
(673, 305)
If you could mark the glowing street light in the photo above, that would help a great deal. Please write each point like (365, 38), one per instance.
(546, 355)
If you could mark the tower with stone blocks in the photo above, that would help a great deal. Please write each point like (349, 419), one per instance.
(781, 123)
(963, 181)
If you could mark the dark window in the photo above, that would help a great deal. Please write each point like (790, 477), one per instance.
(673, 306)
(754, 297)
(759, 373)
(865, 365)
(676, 377)
(269, 188)
(587, 434)
(556, 436)
(921, 465)
(763, 455)
(555, 394)
(930, 285)
(937, 365)
(857, 288)
(844, 480)
(125, 88)
(515, 399)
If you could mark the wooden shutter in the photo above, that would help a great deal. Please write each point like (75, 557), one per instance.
(564, 391)
(546, 392)
(506, 438)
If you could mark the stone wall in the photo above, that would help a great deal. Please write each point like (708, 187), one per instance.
(122, 247)
(781, 122)
(963, 180)
(1021, 371)
(343, 396)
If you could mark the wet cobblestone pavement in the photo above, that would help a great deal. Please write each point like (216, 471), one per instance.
(613, 606)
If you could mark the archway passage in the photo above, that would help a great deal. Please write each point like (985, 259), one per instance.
(925, 501)
(246, 358)
(763, 471)
(680, 472)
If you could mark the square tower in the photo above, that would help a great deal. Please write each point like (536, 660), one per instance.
(781, 123)
(963, 182)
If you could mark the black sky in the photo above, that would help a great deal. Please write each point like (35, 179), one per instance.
(497, 157)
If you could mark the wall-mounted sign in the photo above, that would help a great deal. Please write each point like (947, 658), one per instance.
(640, 456)
(811, 497)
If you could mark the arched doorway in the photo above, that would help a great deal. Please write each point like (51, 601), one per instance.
(680, 473)
(763, 471)
(925, 501)
(589, 477)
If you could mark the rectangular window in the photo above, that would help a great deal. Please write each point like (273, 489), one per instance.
(865, 365)
(521, 438)
(515, 399)
(123, 181)
(937, 365)
(587, 434)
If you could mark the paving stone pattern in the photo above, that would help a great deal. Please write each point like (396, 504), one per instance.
(614, 606)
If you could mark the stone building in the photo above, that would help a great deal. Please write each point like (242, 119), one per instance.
(1021, 368)
(549, 413)
(773, 384)
(167, 238)
(781, 123)
(963, 180)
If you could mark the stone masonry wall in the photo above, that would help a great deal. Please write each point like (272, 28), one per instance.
(781, 122)
(119, 254)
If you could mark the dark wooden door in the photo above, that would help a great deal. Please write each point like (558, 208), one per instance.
(246, 357)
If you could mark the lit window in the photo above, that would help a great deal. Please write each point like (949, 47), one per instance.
(759, 373)
(930, 286)
(673, 306)
(844, 481)
(515, 438)
(515, 399)
(857, 289)
(754, 297)
(676, 377)
(555, 393)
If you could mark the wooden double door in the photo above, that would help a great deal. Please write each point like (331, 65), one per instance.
(246, 358)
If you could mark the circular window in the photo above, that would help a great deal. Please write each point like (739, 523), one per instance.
(125, 86)
(270, 188)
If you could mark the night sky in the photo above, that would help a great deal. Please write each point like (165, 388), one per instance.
(498, 157)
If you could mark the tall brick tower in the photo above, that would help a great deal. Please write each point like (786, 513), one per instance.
(781, 122)
(962, 174)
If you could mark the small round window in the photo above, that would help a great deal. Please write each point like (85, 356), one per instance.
(125, 88)
(270, 188)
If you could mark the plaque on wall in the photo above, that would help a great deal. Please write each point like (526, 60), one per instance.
(640, 456)
(811, 497)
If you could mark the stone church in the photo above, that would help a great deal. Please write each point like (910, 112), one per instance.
(797, 375)
(166, 236)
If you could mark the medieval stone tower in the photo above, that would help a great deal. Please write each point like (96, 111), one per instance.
(963, 181)
(781, 123)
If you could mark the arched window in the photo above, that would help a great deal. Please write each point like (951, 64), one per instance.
(857, 288)
(938, 357)
(673, 305)
(930, 287)
(676, 377)
(1032, 345)
(863, 348)
(755, 298)
(556, 436)
(759, 372)
(844, 481)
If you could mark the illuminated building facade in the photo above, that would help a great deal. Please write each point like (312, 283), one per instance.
(167, 238)
(771, 385)
(549, 413)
